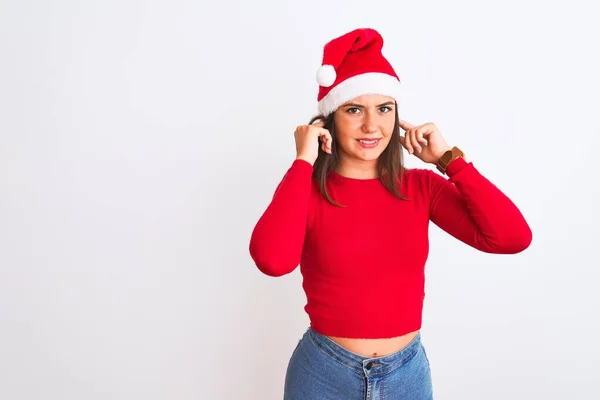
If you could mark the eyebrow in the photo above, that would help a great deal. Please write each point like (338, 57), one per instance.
(387, 103)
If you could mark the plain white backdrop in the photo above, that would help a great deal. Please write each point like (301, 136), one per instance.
(140, 141)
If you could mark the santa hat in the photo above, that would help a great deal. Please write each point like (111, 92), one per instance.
(352, 66)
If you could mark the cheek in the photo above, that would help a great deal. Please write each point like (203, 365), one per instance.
(388, 128)
(345, 131)
(390, 122)
(346, 126)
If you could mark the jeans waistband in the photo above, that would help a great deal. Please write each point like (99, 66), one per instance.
(363, 364)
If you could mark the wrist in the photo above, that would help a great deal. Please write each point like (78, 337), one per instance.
(448, 158)
(439, 155)
(309, 160)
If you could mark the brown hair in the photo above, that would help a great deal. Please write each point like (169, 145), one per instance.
(391, 159)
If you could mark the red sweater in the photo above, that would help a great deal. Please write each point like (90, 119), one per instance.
(363, 266)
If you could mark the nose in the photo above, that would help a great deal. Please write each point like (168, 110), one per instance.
(369, 123)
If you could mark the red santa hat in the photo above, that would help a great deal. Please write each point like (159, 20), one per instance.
(352, 66)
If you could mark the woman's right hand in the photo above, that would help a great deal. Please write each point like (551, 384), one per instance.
(308, 138)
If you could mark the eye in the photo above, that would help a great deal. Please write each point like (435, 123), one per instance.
(353, 110)
(385, 109)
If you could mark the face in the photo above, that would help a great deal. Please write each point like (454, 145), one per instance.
(364, 127)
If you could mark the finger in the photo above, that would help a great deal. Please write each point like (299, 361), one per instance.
(324, 145)
(326, 138)
(405, 125)
(420, 138)
(320, 123)
(315, 131)
(407, 144)
(414, 141)
(424, 130)
(404, 142)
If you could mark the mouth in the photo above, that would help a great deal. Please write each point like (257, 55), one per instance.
(368, 143)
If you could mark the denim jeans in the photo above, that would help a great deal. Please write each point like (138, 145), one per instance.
(320, 369)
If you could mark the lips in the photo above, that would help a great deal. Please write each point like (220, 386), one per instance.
(368, 143)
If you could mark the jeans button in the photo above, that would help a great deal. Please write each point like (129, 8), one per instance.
(369, 365)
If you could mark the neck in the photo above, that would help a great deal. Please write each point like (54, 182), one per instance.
(358, 169)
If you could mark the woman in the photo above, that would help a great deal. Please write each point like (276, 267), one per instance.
(356, 221)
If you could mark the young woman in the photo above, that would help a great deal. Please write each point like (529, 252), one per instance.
(356, 221)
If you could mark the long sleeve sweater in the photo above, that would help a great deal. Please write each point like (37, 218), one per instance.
(363, 265)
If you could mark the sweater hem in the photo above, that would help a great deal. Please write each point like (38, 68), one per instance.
(367, 330)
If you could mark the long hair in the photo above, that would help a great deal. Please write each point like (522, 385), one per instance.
(390, 164)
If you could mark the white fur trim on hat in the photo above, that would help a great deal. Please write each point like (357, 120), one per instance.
(368, 83)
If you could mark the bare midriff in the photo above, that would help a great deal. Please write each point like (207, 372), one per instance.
(375, 347)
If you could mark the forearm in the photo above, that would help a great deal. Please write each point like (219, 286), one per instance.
(477, 212)
(278, 237)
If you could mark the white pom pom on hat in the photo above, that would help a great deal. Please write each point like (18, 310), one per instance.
(355, 61)
(326, 75)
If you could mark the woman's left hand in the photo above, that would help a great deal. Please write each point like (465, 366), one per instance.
(424, 141)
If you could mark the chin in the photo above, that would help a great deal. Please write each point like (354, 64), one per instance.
(371, 156)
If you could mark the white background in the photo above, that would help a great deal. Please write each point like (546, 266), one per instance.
(141, 141)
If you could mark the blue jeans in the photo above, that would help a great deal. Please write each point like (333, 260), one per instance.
(320, 369)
